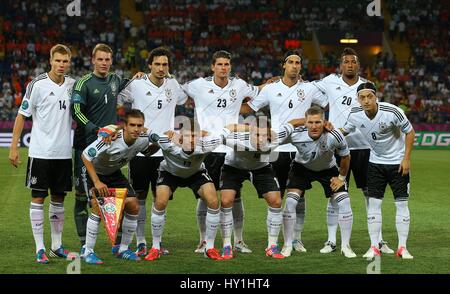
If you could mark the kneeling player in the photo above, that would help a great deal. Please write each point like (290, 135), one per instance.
(103, 163)
(250, 161)
(315, 161)
(183, 167)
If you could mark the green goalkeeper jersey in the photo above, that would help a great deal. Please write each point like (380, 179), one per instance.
(94, 105)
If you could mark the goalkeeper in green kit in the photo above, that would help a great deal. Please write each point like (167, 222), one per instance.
(93, 106)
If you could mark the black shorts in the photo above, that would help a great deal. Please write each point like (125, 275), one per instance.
(194, 182)
(301, 178)
(359, 163)
(263, 179)
(213, 163)
(379, 175)
(282, 166)
(114, 180)
(143, 171)
(45, 174)
(80, 174)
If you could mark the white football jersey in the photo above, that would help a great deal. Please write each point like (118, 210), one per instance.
(246, 156)
(217, 107)
(108, 158)
(385, 132)
(287, 103)
(183, 165)
(157, 103)
(341, 98)
(49, 106)
(318, 154)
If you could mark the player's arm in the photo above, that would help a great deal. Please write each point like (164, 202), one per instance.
(409, 142)
(238, 128)
(89, 154)
(343, 151)
(25, 110)
(14, 157)
(407, 129)
(256, 103)
(78, 107)
(339, 181)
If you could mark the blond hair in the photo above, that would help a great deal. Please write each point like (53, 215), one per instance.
(60, 48)
(103, 48)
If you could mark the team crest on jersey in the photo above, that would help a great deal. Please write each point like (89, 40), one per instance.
(323, 146)
(233, 95)
(25, 105)
(168, 95)
(301, 94)
(33, 180)
(69, 91)
(383, 127)
(113, 89)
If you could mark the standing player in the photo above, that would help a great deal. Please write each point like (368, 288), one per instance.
(218, 100)
(391, 138)
(156, 94)
(47, 101)
(341, 93)
(94, 105)
(315, 161)
(183, 167)
(288, 98)
(103, 162)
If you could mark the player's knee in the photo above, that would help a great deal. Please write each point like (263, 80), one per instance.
(227, 201)
(274, 202)
(212, 202)
(132, 205)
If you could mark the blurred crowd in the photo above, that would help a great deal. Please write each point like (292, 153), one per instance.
(253, 31)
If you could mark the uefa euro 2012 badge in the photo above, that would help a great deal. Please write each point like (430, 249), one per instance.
(92, 152)
(25, 105)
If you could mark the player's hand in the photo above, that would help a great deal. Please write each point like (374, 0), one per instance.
(102, 189)
(273, 79)
(328, 126)
(139, 75)
(14, 157)
(336, 183)
(108, 133)
(404, 167)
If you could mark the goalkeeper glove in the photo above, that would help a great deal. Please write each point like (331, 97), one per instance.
(107, 131)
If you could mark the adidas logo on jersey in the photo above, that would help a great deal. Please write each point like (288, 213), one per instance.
(51, 94)
(96, 91)
(363, 126)
(211, 91)
(149, 93)
(279, 95)
(338, 88)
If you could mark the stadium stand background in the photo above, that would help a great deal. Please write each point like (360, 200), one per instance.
(410, 65)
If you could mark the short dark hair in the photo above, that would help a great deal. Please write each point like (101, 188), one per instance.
(135, 113)
(314, 110)
(220, 54)
(289, 53)
(368, 86)
(159, 51)
(349, 51)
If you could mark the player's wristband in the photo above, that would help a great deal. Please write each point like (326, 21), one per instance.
(342, 178)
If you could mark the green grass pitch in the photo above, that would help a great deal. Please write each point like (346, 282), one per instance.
(429, 236)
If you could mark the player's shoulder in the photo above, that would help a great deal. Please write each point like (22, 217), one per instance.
(42, 78)
(199, 81)
(336, 135)
(364, 80)
(82, 81)
(391, 109)
(356, 110)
